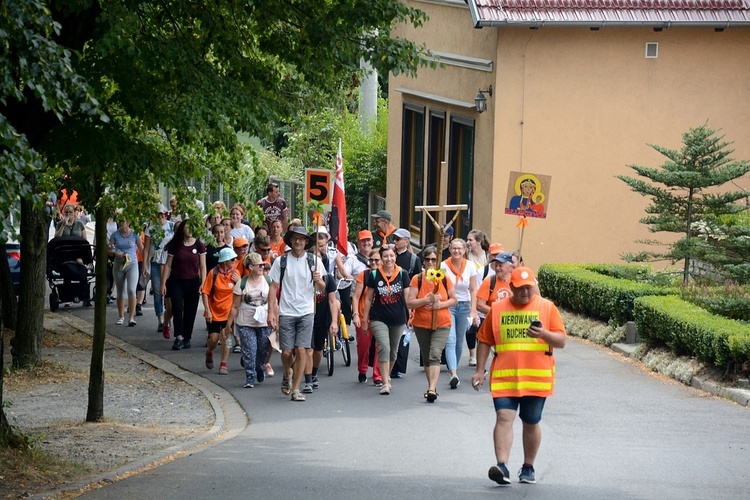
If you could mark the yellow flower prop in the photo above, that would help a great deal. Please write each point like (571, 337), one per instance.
(435, 275)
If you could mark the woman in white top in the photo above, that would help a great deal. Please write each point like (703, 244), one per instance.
(463, 276)
(477, 246)
(249, 312)
(238, 229)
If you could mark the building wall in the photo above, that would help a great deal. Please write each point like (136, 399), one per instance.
(578, 105)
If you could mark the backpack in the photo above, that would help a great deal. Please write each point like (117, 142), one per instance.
(243, 281)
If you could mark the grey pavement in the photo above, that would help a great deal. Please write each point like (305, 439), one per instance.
(612, 430)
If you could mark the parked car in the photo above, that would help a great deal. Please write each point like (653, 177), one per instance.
(13, 251)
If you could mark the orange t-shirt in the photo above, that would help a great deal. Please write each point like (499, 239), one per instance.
(422, 316)
(220, 292)
(361, 280)
(278, 248)
(501, 290)
(240, 267)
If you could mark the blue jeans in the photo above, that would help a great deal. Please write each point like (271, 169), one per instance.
(156, 287)
(455, 345)
(255, 344)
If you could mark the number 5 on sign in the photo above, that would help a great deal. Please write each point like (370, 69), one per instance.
(318, 185)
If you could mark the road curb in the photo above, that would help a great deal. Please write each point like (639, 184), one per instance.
(230, 418)
(739, 396)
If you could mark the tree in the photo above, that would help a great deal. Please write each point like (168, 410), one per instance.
(679, 198)
(178, 80)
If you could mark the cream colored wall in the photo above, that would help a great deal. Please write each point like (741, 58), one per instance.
(450, 82)
(580, 105)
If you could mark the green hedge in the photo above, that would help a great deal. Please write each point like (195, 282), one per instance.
(577, 287)
(689, 329)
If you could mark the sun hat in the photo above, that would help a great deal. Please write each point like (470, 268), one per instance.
(226, 254)
(522, 276)
(300, 231)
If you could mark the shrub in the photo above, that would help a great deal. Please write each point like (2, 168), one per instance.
(603, 297)
(689, 329)
(729, 300)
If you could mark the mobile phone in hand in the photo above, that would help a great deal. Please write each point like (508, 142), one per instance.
(536, 323)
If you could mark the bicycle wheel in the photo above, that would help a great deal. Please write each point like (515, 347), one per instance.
(345, 351)
(330, 351)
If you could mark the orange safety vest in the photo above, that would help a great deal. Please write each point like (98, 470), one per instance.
(524, 366)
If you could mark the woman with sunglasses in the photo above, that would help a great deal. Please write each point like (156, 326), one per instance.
(250, 313)
(217, 293)
(385, 310)
(463, 276)
(364, 336)
(426, 295)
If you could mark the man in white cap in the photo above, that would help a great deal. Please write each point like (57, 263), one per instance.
(154, 257)
(218, 295)
(522, 330)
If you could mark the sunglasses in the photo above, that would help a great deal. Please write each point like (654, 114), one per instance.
(430, 259)
(264, 249)
(389, 246)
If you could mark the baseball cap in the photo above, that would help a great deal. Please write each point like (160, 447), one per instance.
(364, 235)
(240, 242)
(382, 214)
(227, 254)
(504, 257)
(522, 276)
(449, 231)
(402, 233)
(496, 248)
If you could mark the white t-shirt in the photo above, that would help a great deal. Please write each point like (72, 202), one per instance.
(253, 297)
(157, 253)
(462, 286)
(244, 231)
(297, 289)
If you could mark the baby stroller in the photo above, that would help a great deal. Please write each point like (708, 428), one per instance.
(70, 270)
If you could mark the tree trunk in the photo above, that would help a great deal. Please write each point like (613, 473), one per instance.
(7, 295)
(27, 343)
(8, 436)
(95, 412)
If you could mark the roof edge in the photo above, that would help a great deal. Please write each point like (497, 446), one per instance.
(478, 24)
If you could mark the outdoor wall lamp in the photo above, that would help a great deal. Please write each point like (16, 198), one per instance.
(481, 101)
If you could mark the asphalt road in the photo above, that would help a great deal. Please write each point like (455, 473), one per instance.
(612, 430)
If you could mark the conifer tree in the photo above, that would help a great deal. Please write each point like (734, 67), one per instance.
(685, 190)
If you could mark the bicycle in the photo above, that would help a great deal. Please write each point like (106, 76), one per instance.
(341, 343)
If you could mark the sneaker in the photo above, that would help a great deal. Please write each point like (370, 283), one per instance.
(177, 344)
(499, 473)
(237, 349)
(209, 360)
(131, 322)
(396, 375)
(307, 389)
(362, 378)
(455, 382)
(120, 321)
(160, 328)
(526, 474)
(378, 382)
(166, 331)
(260, 375)
(186, 344)
(269, 370)
(315, 383)
(248, 385)
(138, 311)
(223, 369)
(472, 361)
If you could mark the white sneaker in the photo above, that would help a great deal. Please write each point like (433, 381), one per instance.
(269, 370)
(120, 321)
(472, 361)
(307, 389)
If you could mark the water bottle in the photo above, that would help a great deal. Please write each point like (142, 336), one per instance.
(230, 341)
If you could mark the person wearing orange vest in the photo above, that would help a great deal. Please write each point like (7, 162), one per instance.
(522, 330)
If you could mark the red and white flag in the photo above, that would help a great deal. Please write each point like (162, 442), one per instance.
(339, 200)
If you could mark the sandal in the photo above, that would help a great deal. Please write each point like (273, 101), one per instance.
(431, 396)
(285, 385)
(297, 396)
(385, 390)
